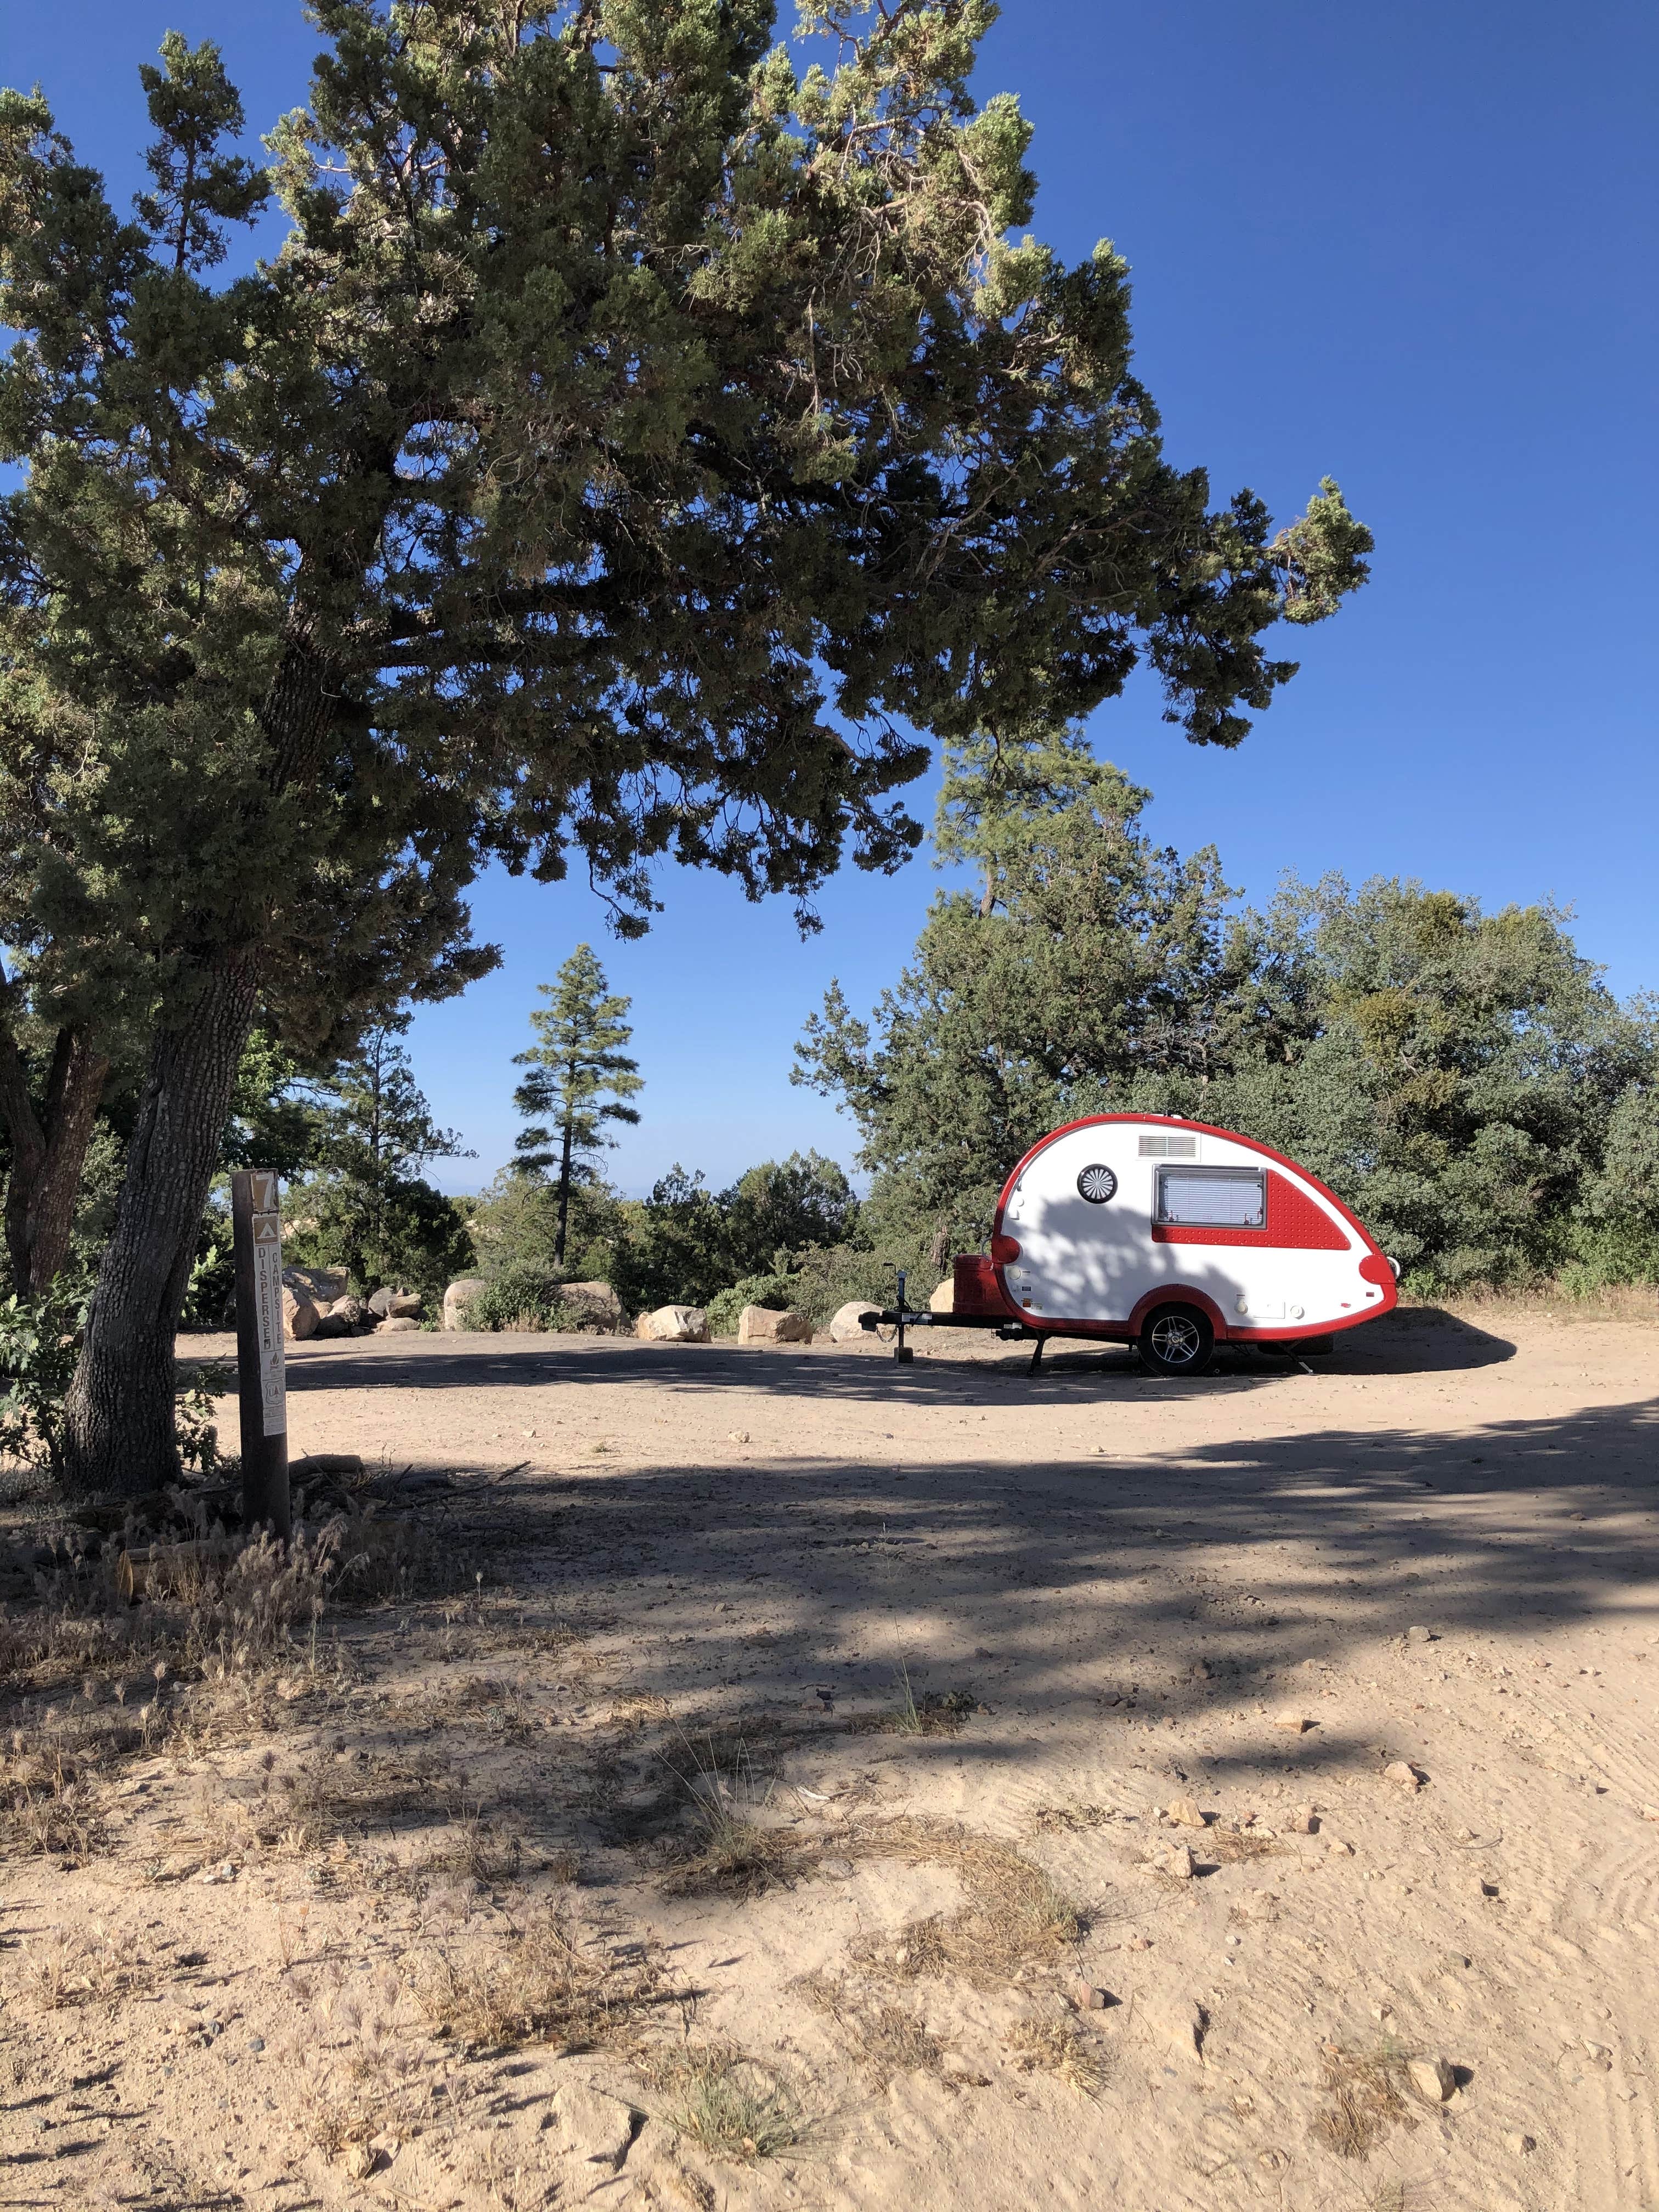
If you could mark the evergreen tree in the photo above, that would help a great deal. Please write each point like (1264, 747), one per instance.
(1086, 956)
(580, 1078)
(365, 1203)
(1464, 1080)
(631, 441)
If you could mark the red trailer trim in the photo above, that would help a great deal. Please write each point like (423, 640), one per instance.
(1373, 1265)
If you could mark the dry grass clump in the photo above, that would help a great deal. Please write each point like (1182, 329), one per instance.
(1053, 2046)
(82, 1967)
(1364, 2100)
(1229, 1845)
(368, 2074)
(885, 2039)
(1016, 1917)
(1070, 1819)
(546, 1983)
(935, 1712)
(728, 2104)
(732, 1854)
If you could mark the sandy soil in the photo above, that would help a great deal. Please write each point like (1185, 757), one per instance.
(804, 1753)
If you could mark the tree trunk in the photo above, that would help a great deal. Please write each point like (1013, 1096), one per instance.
(119, 1416)
(564, 1197)
(48, 1150)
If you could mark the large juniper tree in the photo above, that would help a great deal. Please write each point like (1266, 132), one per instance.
(636, 443)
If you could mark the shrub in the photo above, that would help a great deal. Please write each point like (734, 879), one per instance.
(40, 1338)
(528, 1295)
(773, 1291)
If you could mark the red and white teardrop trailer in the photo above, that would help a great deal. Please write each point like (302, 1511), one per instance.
(1171, 1236)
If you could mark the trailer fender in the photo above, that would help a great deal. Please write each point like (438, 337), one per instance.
(1179, 1294)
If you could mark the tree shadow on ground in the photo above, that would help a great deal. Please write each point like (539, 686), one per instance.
(1416, 1340)
(1022, 1583)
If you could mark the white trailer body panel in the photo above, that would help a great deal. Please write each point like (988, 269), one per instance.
(1105, 1215)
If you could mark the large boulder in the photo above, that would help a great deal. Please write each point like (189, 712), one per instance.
(597, 1304)
(351, 1314)
(761, 1325)
(396, 1324)
(380, 1302)
(458, 1297)
(322, 1285)
(406, 1305)
(944, 1299)
(673, 1325)
(299, 1315)
(845, 1328)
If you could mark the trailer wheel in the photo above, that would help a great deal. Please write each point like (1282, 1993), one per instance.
(1175, 1341)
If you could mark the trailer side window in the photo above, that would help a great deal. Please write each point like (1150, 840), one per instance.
(1211, 1198)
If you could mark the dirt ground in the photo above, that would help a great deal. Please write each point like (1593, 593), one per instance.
(711, 1778)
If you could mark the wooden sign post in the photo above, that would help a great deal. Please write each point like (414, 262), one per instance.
(261, 1377)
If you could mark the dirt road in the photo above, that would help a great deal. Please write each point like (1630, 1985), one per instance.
(842, 1708)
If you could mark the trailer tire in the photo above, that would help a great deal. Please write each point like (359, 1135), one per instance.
(1175, 1341)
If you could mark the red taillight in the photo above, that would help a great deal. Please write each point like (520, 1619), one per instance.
(1004, 1250)
(1374, 1268)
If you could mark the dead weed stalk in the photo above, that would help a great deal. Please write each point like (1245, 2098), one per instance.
(547, 1983)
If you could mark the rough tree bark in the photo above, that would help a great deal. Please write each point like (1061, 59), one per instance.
(563, 1224)
(119, 1416)
(48, 1149)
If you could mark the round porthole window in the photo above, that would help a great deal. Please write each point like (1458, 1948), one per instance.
(1097, 1183)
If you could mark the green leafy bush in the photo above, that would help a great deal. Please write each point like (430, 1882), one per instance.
(531, 1296)
(773, 1291)
(40, 1338)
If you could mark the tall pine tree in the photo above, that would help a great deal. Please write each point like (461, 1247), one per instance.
(580, 1078)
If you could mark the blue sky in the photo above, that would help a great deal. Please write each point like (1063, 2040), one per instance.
(1412, 246)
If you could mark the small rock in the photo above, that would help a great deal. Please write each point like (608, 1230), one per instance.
(1084, 1995)
(1337, 1848)
(1432, 2079)
(225, 1871)
(256, 2043)
(1185, 1815)
(360, 2161)
(1521, 2145)
(1405, 1776)
(1454, 1962)
(1421, 1636)
(1179, 1862)
(737, 1436)
(1600, 2053)
(1293, 1722)
(1304, 1822)
(1139, 1944)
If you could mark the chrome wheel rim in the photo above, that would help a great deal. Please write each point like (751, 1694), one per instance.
(1175, 1341)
